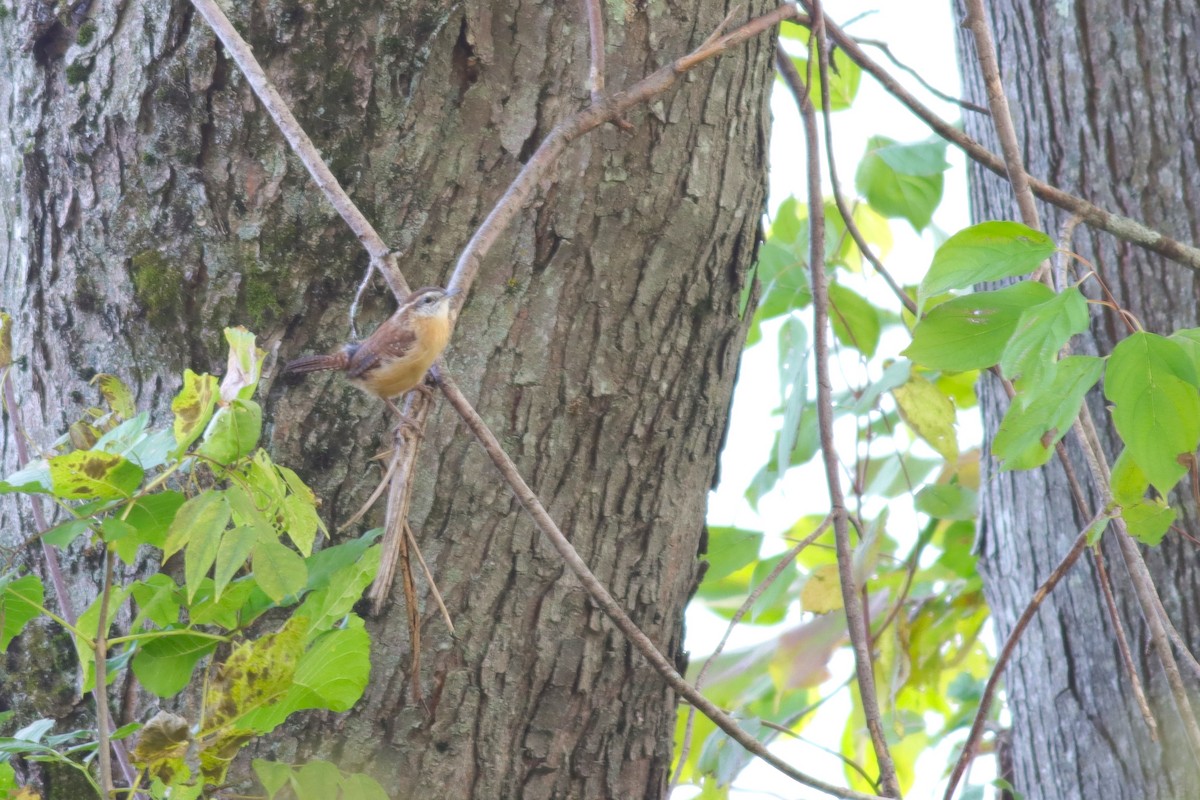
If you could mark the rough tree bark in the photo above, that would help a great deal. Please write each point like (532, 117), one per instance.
(1104, 98)
(149, 203)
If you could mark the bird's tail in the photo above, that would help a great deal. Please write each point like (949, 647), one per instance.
(316, 363)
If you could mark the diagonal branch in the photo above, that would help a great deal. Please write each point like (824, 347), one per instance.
(601, 597)
(1123, 228)
(303, 146)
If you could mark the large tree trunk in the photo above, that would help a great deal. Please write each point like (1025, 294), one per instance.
(1101, 91)
(153, 203)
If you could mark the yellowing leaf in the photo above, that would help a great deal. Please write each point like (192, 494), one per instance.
(822, 591)
(930, 414)
(87, 474)
(193, 407)
(116, 394)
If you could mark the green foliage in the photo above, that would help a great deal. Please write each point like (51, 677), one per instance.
(245, 528)
(903, 180)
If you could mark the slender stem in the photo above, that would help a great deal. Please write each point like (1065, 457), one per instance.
(610, 108)
(1123, 228)
(856, 623)
(595, 22)
(301, 145)
(1010, 146)
(1114, 616)
(601, 597)
(791, 76)
(751, 599)
(100, 654)
(971, 746)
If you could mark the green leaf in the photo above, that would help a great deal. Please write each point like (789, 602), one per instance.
(164, 665)
(1148, 520)
(205, 515)
(300, 521)
(118, 396)
(972, 332)
(1129, 483)
(85, 474)
(917, 158)
(200, 554)
(272, 775)
(255, 677)
(1097, 528)
(279, 571)
(948, 501)
(317, 780)
(33, 477)
(235, 548)
(157, 601)
(730, 549)
(930, 414)
(326, 606)
(152, 516)
(323, 565)
(64, 533)
(193, 408)
(1040, 333)
(228, 611)
(1152, 382)
(793, 384)
(989, 251)
(902, 181)
(1037, 419)
(844, 78)
(362, 787)
(121, 537)
(233, 432)
(20, 601)
(855, 321)
(331, 675)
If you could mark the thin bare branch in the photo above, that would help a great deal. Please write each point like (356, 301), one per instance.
(1010, 146)
(49, 555)
(1123, 228)
(933, 90)
(971, 746)
(856, 622)
(433, 589)
(744, 609)
(1114, 617)
(100, 656)
(795, 83)
(601, 597)
(611, 107)
(301, 145)
(594, 13)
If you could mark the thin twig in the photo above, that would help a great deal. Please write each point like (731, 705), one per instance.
(433, 589)
(792, 78)
(900, 65)
(595, 22)
(612, 107)
(1123, 228)
(971, 746)
(1114, 616)
(301, 145)
(49, 555)
(751, 599)
(100, 657)
(855, 617)
(601, 597)
(1006, 131)
(849, 762)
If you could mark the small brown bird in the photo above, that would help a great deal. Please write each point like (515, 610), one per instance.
(395, 358)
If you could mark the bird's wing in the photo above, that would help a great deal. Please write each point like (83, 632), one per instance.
(381, 346)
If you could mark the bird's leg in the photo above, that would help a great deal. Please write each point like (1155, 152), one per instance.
(404, 420)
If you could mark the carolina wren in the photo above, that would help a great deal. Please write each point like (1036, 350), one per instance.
(397, 355)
